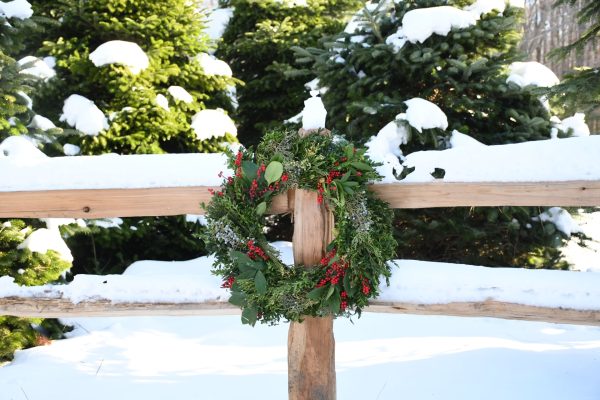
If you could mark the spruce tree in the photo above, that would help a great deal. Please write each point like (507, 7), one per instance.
(373, 67)
(580, 90)
(16, 261)
(147, 111)
(257, 44)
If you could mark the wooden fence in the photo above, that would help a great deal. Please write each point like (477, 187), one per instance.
(311, 357)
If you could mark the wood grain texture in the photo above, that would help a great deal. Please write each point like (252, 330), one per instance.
(488, 194)
(311, 345)
(103, 203)
(53, 306)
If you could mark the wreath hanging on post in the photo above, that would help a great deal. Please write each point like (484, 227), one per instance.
(348, 275)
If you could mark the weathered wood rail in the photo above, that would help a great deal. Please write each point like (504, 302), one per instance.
(101, 203)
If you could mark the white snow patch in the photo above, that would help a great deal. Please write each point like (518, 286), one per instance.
(212, 123)
(218, 20)
(121, 52)
(314, 112)
(563, 160)
(28, 101)
(461, 140)
(419, 24)
(162, 101)
(180, 94)
(213, 66)
(71, 149)
(20, 149)
(481, 7)
(37, 68)
(82, 114)
(201, 219)
(561, 219)
(385, 148)
(423, 114)
(531, 73)
(397, 40)
(42, 240)
(40, 122)
(576, 124)
(584, 254)
(107, 222)
(20, 9)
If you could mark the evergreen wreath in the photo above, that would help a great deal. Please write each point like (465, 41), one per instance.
(348, 275)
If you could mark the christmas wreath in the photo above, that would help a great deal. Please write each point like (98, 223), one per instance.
(348, 275)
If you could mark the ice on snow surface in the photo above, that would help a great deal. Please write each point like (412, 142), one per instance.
(531, 73)
(121, 52)
(212, 123)
(82, 114)
(36, 67)
(213, 66)
(180, 94)
(20, 9)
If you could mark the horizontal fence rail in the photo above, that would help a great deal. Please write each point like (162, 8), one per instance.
(103, 203)
(56, 307)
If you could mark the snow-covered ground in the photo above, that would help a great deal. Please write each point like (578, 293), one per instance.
(380, 356)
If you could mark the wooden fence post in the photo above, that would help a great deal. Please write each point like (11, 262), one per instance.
(311, 346)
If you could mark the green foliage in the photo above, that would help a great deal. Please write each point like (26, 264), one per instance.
(257, 45)
(580, 90)
(171, 34)
(464, 73)
(27, 268)
(347, 276)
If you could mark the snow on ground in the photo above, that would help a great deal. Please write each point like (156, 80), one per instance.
(584, 254)
(380, 356)
(412, 281)
(121, 52)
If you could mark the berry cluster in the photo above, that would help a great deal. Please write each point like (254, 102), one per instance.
(255, 251)
(228, 283)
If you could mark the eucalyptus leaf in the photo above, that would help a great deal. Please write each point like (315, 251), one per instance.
(249, 316)
(273, 172)
(250, 170)
(237, 299)
(261, 208)
(316, 293)
(260, 282)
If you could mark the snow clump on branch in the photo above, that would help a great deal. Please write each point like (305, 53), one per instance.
(121, 52)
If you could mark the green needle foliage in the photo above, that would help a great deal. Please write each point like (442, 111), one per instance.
(580, 90)
(465, 74)
(257, 44)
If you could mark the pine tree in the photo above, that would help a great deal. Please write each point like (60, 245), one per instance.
(149, 110)
(372, 68)
(580, 90)
(257, 44)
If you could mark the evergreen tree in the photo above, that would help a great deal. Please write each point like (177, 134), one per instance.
(148, 111)
(257, 44)
(16, 261)
(580, 90)
(378, 63)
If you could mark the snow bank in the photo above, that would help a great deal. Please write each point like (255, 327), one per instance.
(82, 114)
(559, 160)
(180, 94)
(212, 123)
(213, 66)
(218, 20)
(37, 68)
(412, 281)
(110, 171)
(121, 52)
(531, 73)
(20, 9)
(422, 114)
(19, 149)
